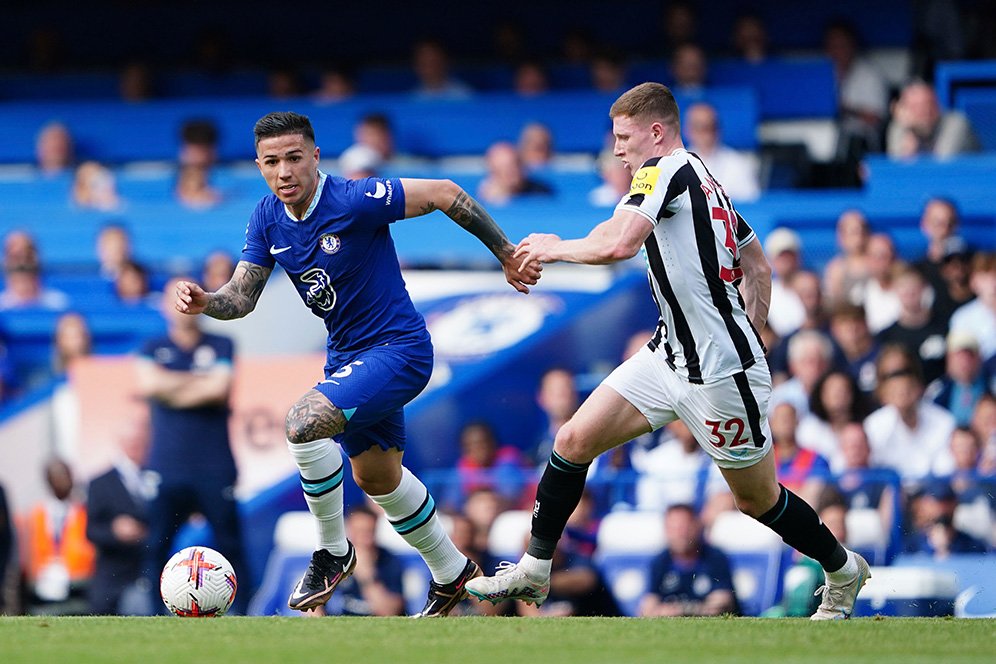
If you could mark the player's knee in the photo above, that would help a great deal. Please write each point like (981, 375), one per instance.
(298, 430)
(571, 444)
(374, 482)
(754, 504)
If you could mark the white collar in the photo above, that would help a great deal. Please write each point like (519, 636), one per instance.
(314, 200)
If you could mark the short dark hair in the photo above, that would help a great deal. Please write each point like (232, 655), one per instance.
(378, 120)
(281, 123)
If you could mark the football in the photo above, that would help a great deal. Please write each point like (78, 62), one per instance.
(198, 582)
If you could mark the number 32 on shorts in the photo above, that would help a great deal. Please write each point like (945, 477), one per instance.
(733, 425)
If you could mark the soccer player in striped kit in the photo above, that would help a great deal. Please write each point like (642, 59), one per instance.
(705, 364)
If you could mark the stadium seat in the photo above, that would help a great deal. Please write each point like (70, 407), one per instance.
(631, 533)
(975, 519)
(283, 570)
(627, 576)
(866, 534)
(295, 532)
(908, 591)
(755, 554)
(507, 539)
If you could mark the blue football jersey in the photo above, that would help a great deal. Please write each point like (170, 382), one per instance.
(342, 261)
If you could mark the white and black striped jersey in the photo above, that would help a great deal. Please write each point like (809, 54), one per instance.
(693, 262)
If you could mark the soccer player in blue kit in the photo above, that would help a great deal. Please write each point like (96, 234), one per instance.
(331, 237)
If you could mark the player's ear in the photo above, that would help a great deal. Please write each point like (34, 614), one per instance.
(258, 165)
(318, 151)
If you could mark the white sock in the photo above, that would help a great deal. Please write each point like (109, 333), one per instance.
(320, 463)
(845, 573)
(537, 568)
(412, 512)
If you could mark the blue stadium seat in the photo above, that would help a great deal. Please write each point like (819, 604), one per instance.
(979, 105)
(627, 576)
(908, 591)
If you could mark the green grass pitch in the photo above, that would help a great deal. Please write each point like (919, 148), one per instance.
(517, 641)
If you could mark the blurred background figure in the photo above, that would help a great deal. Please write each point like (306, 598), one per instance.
(978, 317)
(535, 146)
(862, 93)
(834, 405)
(375, 587)
(484, 464)
(939, 224)
(964, 381)
(919, 127)
(23, 288)
(859, 350)
(932, 513)
(531, 79)
(186, 377)
(54, 149)
(359, 161)
(784, 251)
(336, 83)
(880, 300)
(507, 178)
(737, 172)
(810, 354)
(198, 143)
(94, 187)
(113, 248)
(375, 131)
(689, 69)
(800, 470)
(57, 559)
(132, 284)
(616, 180)
(608, 72)
(845, 275)
(431, 64)
(193, 188)
(750, 38)
(117, 523)
(72, 342)
(136, 82)
(558, 398)
(917, 327)
(284, 82)
(218, 269)
(690, 578)
(674, 472)
(908, 433)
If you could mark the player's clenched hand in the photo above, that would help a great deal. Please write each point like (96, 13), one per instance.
(520, 276)
(190, 298)
(535, 248)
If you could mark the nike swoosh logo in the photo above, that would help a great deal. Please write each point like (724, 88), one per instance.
(275, 251)
(378, 192)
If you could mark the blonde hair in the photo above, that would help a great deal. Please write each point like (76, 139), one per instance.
(648, 101)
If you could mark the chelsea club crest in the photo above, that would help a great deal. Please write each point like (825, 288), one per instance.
(330, 243)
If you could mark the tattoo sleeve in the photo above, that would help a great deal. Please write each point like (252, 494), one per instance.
(239, 296)
(472, 216)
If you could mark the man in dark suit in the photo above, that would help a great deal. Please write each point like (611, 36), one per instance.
(117, 523)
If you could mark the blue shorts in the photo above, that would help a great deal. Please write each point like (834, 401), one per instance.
(372, 391)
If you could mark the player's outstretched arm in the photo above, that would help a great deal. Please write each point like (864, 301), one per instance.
(756, 285)
(424, 196)
(613, 240)
(233, 300)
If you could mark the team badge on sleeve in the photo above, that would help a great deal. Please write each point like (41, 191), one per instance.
(645, 180)
(330, 243)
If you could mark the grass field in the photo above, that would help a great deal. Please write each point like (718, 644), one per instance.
(518, 641)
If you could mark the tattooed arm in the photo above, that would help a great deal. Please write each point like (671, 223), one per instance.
(233, 300)
(424, 196)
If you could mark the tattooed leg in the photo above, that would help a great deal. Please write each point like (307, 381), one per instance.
(313, 417)
(311, 423)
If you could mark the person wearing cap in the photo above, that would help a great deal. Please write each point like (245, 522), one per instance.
(979, 316)
(964, 381)
(908, 433)
(784, 250)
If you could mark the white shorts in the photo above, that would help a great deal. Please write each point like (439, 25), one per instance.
(728, 417)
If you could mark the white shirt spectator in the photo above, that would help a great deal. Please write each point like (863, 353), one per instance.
(980, 321)
(786, 312)
(671, 476)
(914, 454)
(736, 171)
(863, 88)
(882, 306)
(793, 393)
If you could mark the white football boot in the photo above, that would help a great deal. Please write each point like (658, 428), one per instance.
(510, 582)
(838, 599)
